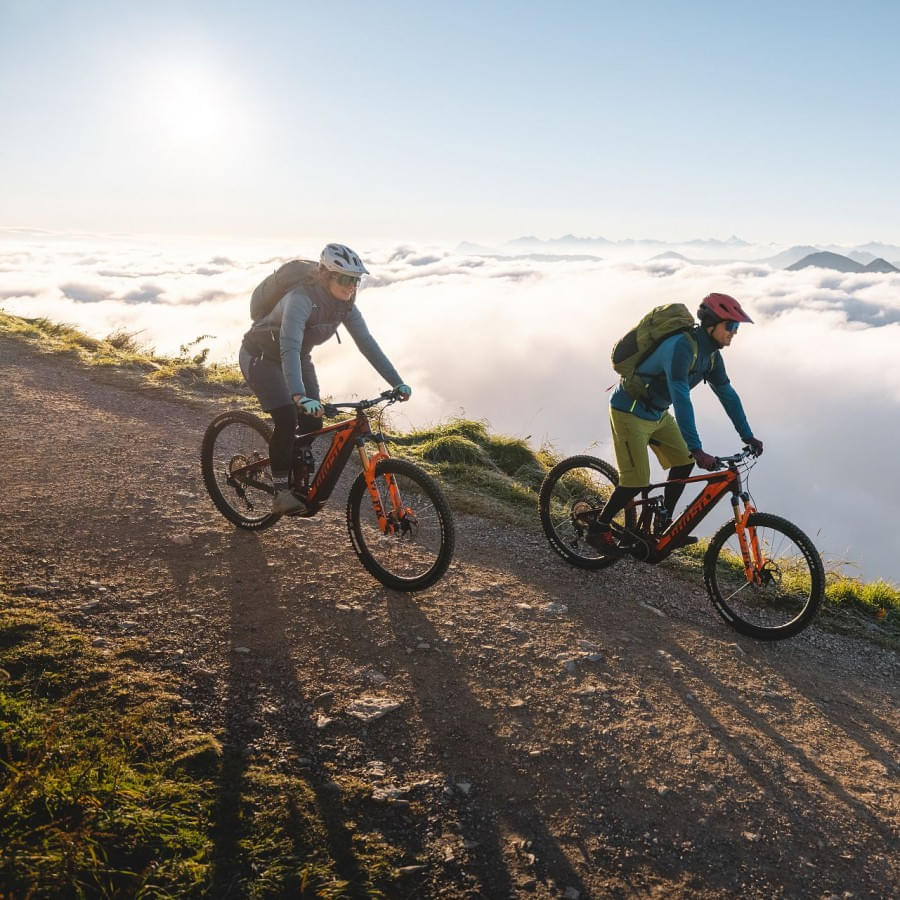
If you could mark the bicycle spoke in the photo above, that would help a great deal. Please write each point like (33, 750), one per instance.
(786, 584)
(234, 449)
(415, 548)
(571, 497)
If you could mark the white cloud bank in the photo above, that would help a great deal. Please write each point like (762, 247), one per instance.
(524, 343)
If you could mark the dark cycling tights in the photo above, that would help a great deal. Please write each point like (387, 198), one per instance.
(621, 495)
(281, 445)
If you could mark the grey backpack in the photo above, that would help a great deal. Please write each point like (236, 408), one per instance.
(282, 281)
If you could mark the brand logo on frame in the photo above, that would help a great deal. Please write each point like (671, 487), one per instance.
(340, 438)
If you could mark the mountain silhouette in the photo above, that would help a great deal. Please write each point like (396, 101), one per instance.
(826, 260)
(881, 265)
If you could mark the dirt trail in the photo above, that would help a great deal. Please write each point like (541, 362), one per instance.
(560, 733)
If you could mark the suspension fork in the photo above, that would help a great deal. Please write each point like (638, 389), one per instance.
(368, 466)
(747, 538)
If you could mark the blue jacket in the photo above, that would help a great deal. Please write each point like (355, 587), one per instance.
(668, 371)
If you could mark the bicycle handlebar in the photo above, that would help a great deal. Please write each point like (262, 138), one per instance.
(330, 410)
(737, 458)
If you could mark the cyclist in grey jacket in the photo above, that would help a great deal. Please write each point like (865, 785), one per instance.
(275, 356)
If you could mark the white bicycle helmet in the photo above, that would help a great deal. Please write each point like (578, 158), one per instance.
(342, 260)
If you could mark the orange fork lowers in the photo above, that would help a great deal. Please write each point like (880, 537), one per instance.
(368, 464)
(753, 562)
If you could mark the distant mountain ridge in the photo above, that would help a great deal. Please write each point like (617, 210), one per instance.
(827, 260)
(871, 257)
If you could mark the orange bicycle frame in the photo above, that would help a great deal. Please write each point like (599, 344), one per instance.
(347, 434)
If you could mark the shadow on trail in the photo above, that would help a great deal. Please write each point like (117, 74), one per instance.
(268, 676)
(462, 733)
(762, 799)
(803, 789)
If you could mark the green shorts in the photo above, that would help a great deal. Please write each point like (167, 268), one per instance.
(631, 437)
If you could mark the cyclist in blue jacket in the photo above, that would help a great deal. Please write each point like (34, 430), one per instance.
(672, 372)
(275, 357)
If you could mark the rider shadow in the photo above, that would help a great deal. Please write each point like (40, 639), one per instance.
(865, 723)
(722, 720)
(754, 758)
(463, 735)
(269, 671)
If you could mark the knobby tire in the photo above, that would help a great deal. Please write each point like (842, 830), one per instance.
(578, 480)
(789, 600)
(230, 438)
(408, 562)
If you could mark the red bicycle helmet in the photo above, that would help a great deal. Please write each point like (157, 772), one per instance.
(716, 308)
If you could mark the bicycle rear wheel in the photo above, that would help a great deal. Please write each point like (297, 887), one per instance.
(572, 494)
(418, 546)
(234, 459)
(788, 587)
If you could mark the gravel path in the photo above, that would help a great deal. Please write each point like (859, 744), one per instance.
(557, 733)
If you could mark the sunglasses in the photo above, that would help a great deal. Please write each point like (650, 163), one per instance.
(732, 326)
(346, 280)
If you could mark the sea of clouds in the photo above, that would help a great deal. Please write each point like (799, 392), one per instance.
(523, 342)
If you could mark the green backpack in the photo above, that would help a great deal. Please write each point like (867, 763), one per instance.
(632, 349)
(282, 281)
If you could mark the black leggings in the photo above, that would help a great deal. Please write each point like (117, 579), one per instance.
(281, 446)
(619, 498)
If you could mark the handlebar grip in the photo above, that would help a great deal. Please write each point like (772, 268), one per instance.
(329, 410)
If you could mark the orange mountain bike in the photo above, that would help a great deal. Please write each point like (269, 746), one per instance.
(399, 520)
(763, 574)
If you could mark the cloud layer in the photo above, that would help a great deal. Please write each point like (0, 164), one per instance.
(524, 342)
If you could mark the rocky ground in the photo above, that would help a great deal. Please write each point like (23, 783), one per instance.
(557, 733)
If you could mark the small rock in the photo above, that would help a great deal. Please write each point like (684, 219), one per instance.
(464, 786)
(243, 650)
(323, 722)
(91, 606)
(750, 836)
(368, 709)
(555, 609)
(572, 893)
(182, 540)
(653, 609)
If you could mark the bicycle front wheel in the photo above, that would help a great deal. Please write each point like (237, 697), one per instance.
(573, 493)
(417, 546)
(234, 459)
(787, 581)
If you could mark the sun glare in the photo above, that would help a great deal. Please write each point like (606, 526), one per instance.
(188, 107)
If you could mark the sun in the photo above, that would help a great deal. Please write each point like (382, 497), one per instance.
(187, 106)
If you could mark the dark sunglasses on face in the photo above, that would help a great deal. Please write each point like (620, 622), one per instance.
(732, 326)
(346, 280)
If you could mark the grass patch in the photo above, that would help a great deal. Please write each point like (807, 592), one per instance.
(188, 375)
(485, 474)
(107, 789)
(868, 609)
(92, 800)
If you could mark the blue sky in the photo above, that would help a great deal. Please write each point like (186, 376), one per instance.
(478, 121)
